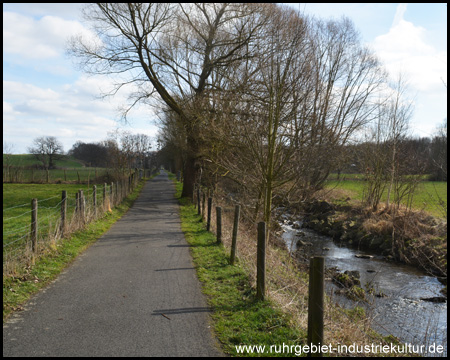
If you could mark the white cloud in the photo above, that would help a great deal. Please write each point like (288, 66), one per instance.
(14, 91)
(404, 50)
(407, 49)
(62, 10)
(70, 112)
(400, 12)
(38, 39)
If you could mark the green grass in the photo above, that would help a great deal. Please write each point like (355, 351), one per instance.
(17, 205)
(54, 175)
(430, 196)
(68, 169)
(19, 288)
(239, 318)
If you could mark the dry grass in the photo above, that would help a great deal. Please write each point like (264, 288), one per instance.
(287, 283)
(420, 239)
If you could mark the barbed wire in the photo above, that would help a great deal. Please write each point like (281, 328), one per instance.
(17, 250)
(13, 207)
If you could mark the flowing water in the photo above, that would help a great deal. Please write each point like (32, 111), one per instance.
(401, 313)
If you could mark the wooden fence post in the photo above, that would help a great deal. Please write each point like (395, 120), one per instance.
(237, 211)
(34, 225)
(261, 262)
(104, 197)
(63, 212)
(198, 201)
(219, 224)
(111, 199)
(315, 303)
(77, 203)
(208, 222)
(82, 207)
(94, 195)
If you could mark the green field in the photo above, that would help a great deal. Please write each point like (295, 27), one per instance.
(430, 196)
(17, 207)
(68, 170)
(56, 175)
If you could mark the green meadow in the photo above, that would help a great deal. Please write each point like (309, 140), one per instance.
(17, 206)
(429, 196)
(68, 169)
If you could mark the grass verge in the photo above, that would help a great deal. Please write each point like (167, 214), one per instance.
(239, 319)
(19, 288)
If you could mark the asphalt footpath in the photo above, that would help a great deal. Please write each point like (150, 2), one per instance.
(132, 293)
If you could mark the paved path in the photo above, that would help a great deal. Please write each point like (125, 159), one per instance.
(133, 293)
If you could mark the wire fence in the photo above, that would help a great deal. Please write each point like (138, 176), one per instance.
(287, 284)
(21, 174)
(31, 233)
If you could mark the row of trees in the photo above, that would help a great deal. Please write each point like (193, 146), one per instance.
(418, 156)
(256, 93)
(120, 150)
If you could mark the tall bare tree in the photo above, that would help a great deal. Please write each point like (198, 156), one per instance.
(171, 50)
(296, 105)
(347, 78)
(399, 112)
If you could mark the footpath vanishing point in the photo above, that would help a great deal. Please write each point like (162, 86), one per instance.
(132, 293)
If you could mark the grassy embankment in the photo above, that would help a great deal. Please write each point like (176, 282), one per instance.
(26, 281)
(239, 319)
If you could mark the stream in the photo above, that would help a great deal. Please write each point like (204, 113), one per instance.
(402, 313)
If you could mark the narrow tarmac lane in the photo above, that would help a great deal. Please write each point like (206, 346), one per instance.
(132, 293)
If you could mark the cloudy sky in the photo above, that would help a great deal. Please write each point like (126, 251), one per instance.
(45, 95)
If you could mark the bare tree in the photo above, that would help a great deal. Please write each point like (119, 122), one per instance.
(399, 112)
(47, 149)
(439, 153)
(267, 108)
(295, 106)
(143, 147)
(170, 50)
(384, 153)
(347, 79)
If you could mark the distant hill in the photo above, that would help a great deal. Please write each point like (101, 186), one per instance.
(29, 160)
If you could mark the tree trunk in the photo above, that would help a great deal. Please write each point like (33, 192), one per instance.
(191, 167)
(189, 176)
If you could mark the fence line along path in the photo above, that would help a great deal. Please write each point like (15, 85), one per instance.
(133, 293)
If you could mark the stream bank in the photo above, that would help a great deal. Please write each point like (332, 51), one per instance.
(412, 238)
(397, 297)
